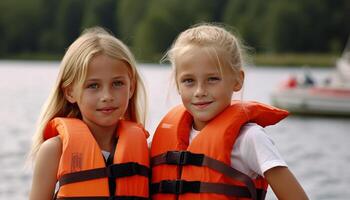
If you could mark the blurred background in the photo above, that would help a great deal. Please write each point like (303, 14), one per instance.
(285, 38)
(302, 32)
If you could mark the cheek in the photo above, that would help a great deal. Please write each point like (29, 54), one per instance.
(184, 92)
(125, 94)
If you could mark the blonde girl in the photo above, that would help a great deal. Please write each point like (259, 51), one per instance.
(212, 147)
(90, 139)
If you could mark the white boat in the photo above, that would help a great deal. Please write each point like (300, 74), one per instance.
(306, 97)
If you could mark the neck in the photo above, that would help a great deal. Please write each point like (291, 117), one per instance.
(104, 136)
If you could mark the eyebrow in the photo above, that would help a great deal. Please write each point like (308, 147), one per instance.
(208, 74)
(97, 79)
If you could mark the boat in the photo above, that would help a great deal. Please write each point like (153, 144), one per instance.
(304, 96)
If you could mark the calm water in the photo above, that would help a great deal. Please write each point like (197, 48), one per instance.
(316, 149)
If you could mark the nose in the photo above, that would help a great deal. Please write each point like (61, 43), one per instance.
(201, 90)
(107, 95)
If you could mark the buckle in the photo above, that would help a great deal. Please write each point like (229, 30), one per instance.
(179, 186)
(177, 157)
(172, 187)
(184, 158)
(134, 168)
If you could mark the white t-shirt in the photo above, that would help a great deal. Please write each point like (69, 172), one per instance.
(254, 151)
(105, 154)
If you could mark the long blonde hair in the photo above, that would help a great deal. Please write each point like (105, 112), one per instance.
(222, 45)
(73, 70)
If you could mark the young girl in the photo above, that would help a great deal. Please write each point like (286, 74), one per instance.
(212, 147)
(89, 138)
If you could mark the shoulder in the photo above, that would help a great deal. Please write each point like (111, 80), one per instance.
(49, 156)
(254, 133)
(258, 149)
(50, 148)
(46, 167)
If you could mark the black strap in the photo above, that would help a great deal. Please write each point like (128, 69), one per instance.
(181, 186)
(111, 180)
(187, 158)
(178, 187)
(112, 171)
(104, 198)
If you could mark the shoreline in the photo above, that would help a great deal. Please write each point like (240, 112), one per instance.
(323, 60)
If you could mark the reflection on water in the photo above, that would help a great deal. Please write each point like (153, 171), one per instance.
(315, 148)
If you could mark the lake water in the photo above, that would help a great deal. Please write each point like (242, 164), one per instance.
(315, 148)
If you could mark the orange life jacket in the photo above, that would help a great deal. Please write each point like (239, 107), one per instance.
(82, 169)
(202, 169)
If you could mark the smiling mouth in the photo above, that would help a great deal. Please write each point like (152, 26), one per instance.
(107, 110)
(202, 105)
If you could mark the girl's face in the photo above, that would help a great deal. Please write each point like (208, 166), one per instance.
(204, 90)
(105, 94)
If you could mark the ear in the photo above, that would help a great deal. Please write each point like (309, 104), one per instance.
(239, 81)
(132, 89)
(69, 95)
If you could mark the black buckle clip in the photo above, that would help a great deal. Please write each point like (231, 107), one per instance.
(172, 187)
(177, 157)
(122, 170)
(179, 186)
(184, 158)
(135, 169)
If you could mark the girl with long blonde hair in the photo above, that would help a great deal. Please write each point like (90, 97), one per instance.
(89, 136)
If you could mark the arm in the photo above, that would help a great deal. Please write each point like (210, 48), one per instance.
(284, 184)
(45, 170)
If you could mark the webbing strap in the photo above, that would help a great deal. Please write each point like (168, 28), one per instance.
(181, 186)
(104, 198)
(112, 171)
(188, 158)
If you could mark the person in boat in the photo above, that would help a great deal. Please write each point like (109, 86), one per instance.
(211, 147)
(307, 79)
(90, 138)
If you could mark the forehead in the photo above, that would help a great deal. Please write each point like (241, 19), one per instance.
(200, 60)
(103, 65)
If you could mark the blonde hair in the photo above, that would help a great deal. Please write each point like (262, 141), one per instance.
(219, 43)
(73, 70)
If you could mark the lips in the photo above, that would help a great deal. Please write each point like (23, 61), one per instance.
(107, 109)
(201, 105)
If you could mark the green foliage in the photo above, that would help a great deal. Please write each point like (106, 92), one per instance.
(129, 15)
(69, 21)
(19, 25)
(48, 35)
(100, 13)
(164, 20)
(41, 27)
(249, 19)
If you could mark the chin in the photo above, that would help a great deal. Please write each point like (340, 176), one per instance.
(108, 124)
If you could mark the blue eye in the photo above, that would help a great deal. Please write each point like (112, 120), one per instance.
(92, 86)
(187, 81)
(118, 83)
(213, 79)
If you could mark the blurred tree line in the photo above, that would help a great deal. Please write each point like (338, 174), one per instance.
(149, 26)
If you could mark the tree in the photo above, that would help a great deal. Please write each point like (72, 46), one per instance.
(48, 36)
(100, 13)
(129, 15)
(248, 17)
(164, 20)
(69, 20)
(20, 22)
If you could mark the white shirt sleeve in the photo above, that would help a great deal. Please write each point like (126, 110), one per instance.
(254, 152)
